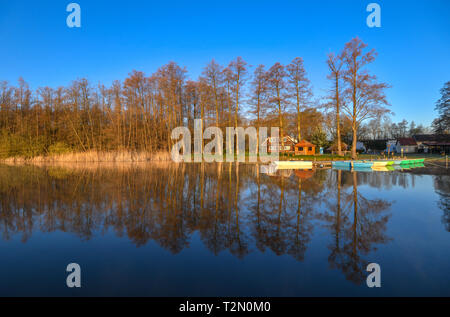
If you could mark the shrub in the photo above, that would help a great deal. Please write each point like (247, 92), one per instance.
(59, 148)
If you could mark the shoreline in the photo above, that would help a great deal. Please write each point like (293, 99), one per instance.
(163, 156)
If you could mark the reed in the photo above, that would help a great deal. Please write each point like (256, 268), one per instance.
(93, 156)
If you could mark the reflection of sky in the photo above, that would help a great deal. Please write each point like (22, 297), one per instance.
(417, 250)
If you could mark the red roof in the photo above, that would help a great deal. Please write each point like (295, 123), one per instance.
(304, 143)
(406, 141)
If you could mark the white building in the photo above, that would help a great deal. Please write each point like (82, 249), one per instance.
(406, 145)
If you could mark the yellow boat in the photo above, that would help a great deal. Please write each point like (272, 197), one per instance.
(382, 163)
(293, 164)
(380, 168)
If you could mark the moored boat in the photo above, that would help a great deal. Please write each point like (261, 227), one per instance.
(381, 168)
(381, 163)
(341, 164)
(293, 164)
(359, 164)
(362, 169)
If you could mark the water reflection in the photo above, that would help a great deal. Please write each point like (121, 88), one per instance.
(357, 225)
(442, 187)
(232, 207)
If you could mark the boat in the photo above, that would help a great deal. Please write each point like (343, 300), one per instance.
(359, 164)
(341, 164)
(351, 164)
(381, 163)
(381, 168)
(409, 161)
(362, 169)
(293, 164)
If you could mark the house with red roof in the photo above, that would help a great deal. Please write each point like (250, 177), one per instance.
(406, 145)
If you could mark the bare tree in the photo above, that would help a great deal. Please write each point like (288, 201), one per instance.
(238, 75)
(259, 96)
(366, 95)
(299, 87)
(277, 86)
(335, 64)
(213, 74)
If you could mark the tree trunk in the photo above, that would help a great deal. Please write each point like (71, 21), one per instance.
(354, 156)
(338, 123)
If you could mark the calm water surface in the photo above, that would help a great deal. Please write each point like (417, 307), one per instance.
(223, 230)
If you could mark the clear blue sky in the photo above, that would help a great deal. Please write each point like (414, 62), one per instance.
(118, 36)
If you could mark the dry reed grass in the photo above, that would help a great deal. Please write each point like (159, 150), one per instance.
(93, 157)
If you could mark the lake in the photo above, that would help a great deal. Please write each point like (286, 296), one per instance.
(222, 229)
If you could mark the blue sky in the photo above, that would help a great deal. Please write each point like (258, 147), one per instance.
(116, 37)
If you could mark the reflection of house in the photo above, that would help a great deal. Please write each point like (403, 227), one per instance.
(406, 145)
(275, 144)
(304, 174)
(433, 143)
(305, 148)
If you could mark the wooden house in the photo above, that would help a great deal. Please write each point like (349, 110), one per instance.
(305, 148)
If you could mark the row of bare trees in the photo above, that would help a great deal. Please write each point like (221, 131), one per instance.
(139, 113)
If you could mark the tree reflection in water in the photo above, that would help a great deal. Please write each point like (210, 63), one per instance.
(442, 188)
(233, 207)
(358, 225)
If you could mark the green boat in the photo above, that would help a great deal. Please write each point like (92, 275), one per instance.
(407, 161)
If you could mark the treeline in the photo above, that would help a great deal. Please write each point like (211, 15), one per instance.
(139, 113)
(386, 129)
(442, 123)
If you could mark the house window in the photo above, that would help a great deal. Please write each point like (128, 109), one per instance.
(310, 149)
(300, 148)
